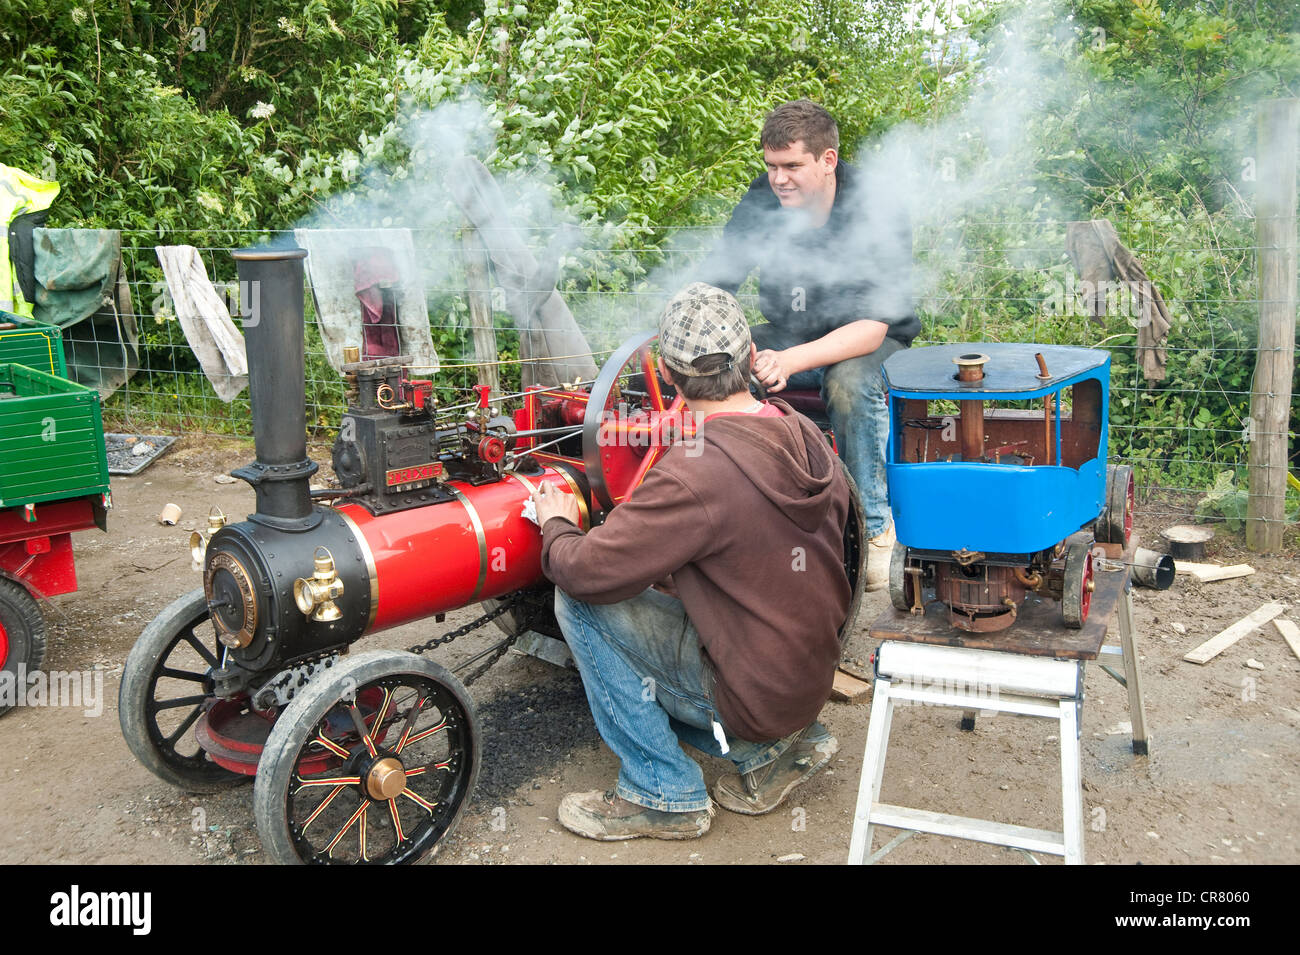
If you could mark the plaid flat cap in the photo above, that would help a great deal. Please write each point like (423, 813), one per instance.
(702, 320)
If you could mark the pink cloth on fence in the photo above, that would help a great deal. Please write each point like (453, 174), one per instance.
(375, 273)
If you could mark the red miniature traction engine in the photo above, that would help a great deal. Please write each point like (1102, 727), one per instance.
(372, 757)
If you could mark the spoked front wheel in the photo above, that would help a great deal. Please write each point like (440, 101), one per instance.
(166, 687)
(373, 762)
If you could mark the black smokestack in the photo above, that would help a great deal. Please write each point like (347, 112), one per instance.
(271, 289)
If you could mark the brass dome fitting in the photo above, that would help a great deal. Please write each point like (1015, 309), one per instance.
(216, 519)
(199, 541)
(315, 596)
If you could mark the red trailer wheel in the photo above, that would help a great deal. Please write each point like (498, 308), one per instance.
(344, 782)
(166, 687)
(22, 638)
(1076, 592)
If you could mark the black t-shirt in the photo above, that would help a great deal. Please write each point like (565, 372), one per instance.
(812, 281)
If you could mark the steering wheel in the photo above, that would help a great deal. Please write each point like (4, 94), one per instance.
(630, 422)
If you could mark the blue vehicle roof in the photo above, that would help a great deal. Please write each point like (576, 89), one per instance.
(1010, 370)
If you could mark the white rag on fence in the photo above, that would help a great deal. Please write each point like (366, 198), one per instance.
(332, 256)
(216, 342)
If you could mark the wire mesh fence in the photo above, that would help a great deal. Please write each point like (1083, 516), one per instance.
(1186, 434)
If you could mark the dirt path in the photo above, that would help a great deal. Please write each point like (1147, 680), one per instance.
(1221, 783)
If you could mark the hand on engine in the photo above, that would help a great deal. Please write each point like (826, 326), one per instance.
(552, 502)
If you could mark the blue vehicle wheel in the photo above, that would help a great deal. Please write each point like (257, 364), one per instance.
(1076, 591)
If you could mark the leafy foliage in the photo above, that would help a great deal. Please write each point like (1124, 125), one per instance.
(203, 121)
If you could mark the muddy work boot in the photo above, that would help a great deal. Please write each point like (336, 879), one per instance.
(761, 790)
(879, 551)
(611, 818)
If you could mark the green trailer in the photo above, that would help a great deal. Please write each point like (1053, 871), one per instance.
(53, 481)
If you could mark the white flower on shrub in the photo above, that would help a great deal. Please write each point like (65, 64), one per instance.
(262, 110)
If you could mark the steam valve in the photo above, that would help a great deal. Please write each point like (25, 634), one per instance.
(315, 596)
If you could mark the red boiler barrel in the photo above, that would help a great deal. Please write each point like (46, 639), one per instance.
(429, 560)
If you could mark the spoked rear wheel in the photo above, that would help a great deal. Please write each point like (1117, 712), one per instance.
(373, 762)
(855, 541)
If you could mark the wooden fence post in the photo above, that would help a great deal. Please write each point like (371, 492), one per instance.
(479, 292)
(1270, 401)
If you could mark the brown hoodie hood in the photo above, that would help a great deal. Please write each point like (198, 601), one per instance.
(787, 460)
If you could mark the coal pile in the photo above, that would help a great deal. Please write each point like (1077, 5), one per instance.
(132, 453)
(529, 730)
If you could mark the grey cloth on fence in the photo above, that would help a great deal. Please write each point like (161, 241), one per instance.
(81, 287)
(217, 343)
(553, 348)
(1099, 257)
(332, 272)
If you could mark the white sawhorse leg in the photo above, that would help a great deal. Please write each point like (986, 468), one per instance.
(873, 771)
(1071, 784)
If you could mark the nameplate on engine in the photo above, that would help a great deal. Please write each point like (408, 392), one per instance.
(414, 475)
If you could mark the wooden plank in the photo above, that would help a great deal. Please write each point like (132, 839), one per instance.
(847, 688)
(1290, 633)
(1207, 573)
(1037, 631)
(1215, 645)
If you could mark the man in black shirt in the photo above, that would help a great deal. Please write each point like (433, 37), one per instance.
(834, 256)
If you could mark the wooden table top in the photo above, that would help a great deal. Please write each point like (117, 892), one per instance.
(1038, 630)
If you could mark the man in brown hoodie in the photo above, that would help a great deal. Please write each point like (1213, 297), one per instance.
(706, 608)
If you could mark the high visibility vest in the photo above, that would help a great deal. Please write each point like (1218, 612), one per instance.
(20, 193)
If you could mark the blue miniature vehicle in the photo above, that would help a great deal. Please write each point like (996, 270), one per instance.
(998, 479)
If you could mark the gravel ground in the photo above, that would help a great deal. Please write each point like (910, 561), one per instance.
(1220, 785)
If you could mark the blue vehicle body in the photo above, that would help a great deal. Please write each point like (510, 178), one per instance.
(993, 507)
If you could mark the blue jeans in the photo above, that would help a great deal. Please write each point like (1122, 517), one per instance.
(649, 688)
(855, 396)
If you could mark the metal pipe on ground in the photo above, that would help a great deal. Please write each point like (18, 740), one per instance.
(1153, 569)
